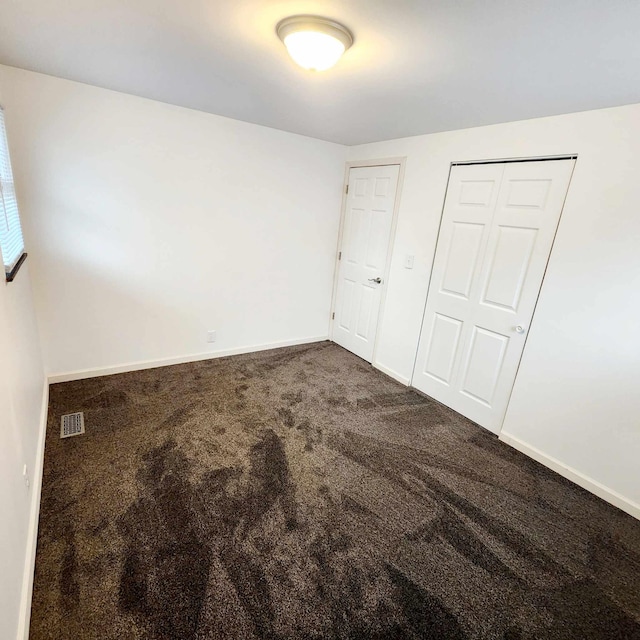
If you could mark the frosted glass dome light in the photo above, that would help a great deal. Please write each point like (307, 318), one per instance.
(314, 43)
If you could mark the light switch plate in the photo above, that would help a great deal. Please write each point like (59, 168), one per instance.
(408, 262)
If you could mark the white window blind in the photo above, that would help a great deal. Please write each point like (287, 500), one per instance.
(11, 241)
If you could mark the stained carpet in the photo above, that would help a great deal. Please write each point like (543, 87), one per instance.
(299, 493)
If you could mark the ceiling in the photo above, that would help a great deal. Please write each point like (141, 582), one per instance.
(417, 66)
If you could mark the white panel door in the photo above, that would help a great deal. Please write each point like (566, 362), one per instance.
(498, 226)
(364, 251)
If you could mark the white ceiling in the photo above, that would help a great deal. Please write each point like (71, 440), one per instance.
(417, 66)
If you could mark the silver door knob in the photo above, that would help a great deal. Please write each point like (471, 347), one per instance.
(519, 329)
(376, 280)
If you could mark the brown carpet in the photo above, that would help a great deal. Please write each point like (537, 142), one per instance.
(299, 493)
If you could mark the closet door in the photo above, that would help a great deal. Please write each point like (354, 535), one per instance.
(498, 226)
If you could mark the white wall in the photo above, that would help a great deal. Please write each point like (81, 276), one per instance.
(21, 404)
(576, 397)
(150, 224)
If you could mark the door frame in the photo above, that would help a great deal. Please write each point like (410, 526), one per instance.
(453, 163)
(400, 161)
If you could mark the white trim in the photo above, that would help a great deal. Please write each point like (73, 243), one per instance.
(593, 486)
(34, 516)
(391, 373)
(400, 161)
(164, 362)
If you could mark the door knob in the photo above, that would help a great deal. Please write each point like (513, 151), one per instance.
(519, 329)
(376, 280)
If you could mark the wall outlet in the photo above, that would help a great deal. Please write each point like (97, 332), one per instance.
(211, 336)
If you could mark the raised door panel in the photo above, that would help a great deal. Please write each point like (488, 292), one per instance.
(361, 187)
(355, 236)
(365, 310)
(482, 366)
(382, 187)
(528, 193)
(378, 239)
(476, 193)
(462, 256)
(510, 257)
(443, 345)
(345, 310)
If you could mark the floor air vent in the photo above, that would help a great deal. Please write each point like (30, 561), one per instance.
(72, 425)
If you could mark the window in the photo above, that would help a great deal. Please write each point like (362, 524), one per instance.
(11, 242)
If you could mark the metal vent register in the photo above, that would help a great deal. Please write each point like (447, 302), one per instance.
(72, 425)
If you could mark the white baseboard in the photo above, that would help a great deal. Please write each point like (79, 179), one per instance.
(164, 362)
(392, 374)
(593, 486)
(34, 515)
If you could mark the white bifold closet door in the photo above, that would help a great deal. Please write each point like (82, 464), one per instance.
(498, 226)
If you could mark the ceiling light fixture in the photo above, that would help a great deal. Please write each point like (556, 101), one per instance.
(313, 42)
